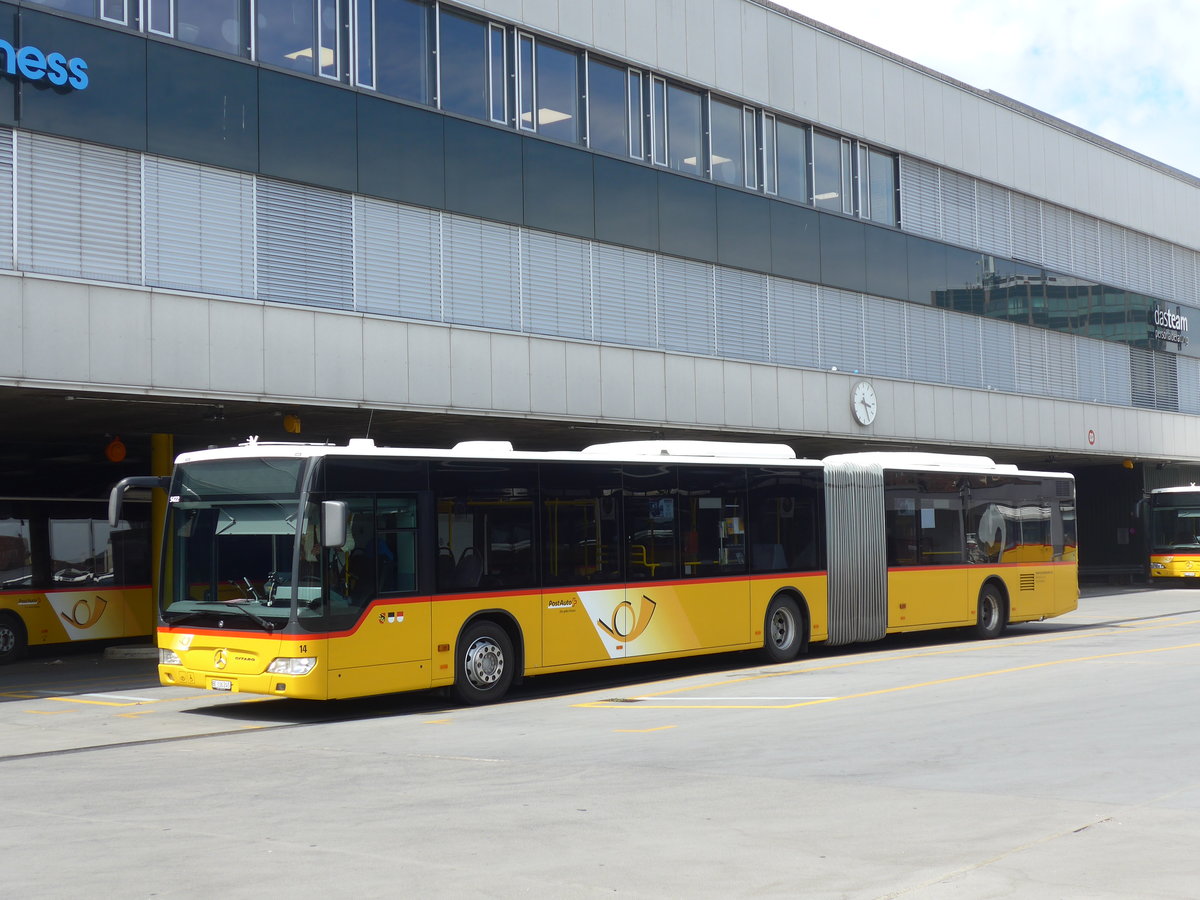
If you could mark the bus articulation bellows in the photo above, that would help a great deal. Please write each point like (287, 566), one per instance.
(320, 571)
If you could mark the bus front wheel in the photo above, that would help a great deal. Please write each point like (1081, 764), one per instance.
(992, 613)
(13, 640)
(782, 638)
(485, 664)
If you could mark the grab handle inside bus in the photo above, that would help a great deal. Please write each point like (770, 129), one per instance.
(333, 523)
(117, 495)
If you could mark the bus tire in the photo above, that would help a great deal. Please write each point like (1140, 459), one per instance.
(991, 615)
(783, 638)
(13, 638)
(485, 664)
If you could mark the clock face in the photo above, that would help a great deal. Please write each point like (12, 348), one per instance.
(863, 403)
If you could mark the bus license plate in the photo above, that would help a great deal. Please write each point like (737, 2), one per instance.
(220, 684)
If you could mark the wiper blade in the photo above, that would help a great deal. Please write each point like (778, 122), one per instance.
(264, 623)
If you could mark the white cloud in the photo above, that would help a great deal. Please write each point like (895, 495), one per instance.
(1128, 71)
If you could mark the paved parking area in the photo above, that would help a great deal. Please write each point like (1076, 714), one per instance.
(1057, 761)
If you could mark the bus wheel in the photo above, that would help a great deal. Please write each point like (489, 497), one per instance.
(12, 638)
(485, 664)
(782, 640)
(992, 615)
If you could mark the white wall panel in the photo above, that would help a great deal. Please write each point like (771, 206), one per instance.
(804, 56)
(641, 29)
(119, 336)
(781, 70)
(289, 351)
(681, 388)
(338, 358)
(791, 389)
(701, 41)
(710, 390)
(739, 405)
(181, 361)
(895, 132)
(471, 369)
(953, 127)
(727, 16)
(385, 360)
(575, 21)
(511, 375)
(235, 342)
(933, 99)
(429, 365)
(548, 376)
(764, 397)
(616, 383)
(850, 89)
(828, 81)
(671, 27)
(583, 380)
(649, 386)
(608, 27)
(12, 352)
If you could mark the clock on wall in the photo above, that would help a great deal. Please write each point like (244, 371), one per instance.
(863, 403)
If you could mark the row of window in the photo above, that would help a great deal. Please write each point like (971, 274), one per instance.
(436, 55)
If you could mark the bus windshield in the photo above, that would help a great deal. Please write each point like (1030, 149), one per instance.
(1176, 527)
(231, 534)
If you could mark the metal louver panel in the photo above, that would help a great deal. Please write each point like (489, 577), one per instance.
(1141, 377)
(964, 351)
(199, 228)
(886, 350)
(842, 329)
(1189, 385)
(305, 245)
(995, 219)
(1027, 228)
(1061, 368)
(1030, 346)
(1085, 246)
(1090, 365)
(927, 344)
(80, 209)
(557, 287)
(741, 314)
(1162, 269)
(1056, 238)
(1112, 255)
(857, 550)
(999, 367)
(624, 296)
(920, 198)
(1166, 382)
(1185, 275)
(1137, 260)
(795, 332)
(959, 209)
(397, 264)
(482, 261)
(6, 197)
(1118, 374)
(686, 306)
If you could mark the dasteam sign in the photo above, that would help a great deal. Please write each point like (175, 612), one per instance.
(31, 64)
(1169, 326)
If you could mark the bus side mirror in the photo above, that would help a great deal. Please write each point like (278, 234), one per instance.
(117, 495)
(333, 523)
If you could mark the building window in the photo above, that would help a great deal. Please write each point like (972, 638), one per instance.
(725, 142)
(770, 171)
(791, 155)
(658, 120)
(750, 142)
(548, 89)
(637, 148)
(301, 35)
(685, 130)
(880, 180)
(498, 73)
(215, 24)
(833, 173)
(392, 48)
(108, 10)
(462, 65)
(608, 97)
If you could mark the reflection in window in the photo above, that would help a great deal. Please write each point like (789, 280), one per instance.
(287, 34)
(608, 117)
(328, 19)
(463, 65)
(832, 171)
(792, 159)
(548, 89)
(16, 564)
(685, 134)
(636, 134)
(394, 53)
(498, 73)
(658, 120)
(770, 173)
(215, 24)
(749, 140)
(725, 133)
(881, 187)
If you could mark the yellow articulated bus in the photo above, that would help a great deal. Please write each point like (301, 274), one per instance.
(1174, 532)
(330, 572)
(66, 575)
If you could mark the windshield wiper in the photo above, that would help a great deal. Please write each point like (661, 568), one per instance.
(264, 623)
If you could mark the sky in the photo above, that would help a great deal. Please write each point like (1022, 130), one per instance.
(1127, 70)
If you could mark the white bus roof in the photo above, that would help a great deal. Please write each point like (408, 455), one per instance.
(726, 452)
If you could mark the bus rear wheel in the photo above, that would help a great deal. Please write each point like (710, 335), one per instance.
(13, 639)
(992, 613)
(485, 664)
(782, 638)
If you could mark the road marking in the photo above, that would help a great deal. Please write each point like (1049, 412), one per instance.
(46, 712)
(122, 697)
(642, 730)
(607, 704)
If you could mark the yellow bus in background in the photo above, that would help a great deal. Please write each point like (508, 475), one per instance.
(1174, 532)
(320, 572)
(67, 575)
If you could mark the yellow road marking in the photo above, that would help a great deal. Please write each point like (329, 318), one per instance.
(604, 704)
(642, 730)
(46, 712)
(134, 715)
(438, 722)
(96, 702)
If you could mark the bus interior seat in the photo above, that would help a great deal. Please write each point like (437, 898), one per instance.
(768, 557)
(469, 570)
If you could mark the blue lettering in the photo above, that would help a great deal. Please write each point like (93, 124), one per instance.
(32, 64)
(56, 68)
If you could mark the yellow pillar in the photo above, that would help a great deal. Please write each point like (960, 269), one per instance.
(162, 460)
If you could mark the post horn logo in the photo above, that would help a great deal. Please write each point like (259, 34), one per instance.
(629, 623)
(84, 614)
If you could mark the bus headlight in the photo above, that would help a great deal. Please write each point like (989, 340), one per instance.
(168, 657)
(1154, 565)
(292, 665)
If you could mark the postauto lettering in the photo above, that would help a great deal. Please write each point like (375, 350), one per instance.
(34, 65)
